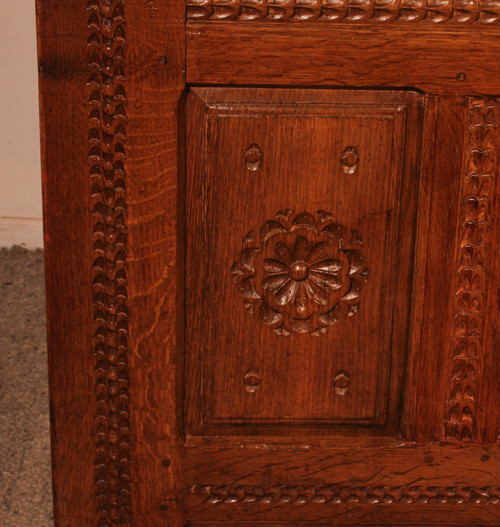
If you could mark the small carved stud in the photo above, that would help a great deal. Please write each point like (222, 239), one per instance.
(350, 160)
(253, 157)
(341, 383)
(252, 380)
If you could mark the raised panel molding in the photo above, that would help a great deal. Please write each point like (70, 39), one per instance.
(314, 290)
(472, 267)
(107, 122)
(381, 11)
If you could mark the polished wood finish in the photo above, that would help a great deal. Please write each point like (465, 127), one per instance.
(272, 243)
(352, 156)
(437, 59)
(451, 12)
(314, 482)
(111, 182)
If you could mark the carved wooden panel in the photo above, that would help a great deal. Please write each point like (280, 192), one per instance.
(295, 264)
(378, 11)
(368, 483)
(101, 158)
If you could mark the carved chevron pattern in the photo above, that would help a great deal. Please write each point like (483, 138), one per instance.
(325, 494)
(475, 231)
(107, 121)
(452, 11)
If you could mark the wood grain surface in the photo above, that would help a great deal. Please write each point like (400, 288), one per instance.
(436, 60)
(155, 167)
(273, 304)
(69, 258)
(112, 256)
(296, 296)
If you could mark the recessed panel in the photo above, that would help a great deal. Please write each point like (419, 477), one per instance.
(300, 215)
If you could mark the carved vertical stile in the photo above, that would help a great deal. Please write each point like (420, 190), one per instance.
(473, 254)
(107, 121)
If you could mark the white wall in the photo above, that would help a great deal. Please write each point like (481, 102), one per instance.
(20, 181)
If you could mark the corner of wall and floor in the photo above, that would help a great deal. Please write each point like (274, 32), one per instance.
(25, 467)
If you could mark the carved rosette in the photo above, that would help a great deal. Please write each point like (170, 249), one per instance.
(302, 273)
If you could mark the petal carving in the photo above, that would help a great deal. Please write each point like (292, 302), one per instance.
(294, 274)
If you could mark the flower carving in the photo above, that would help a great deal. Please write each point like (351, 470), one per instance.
(302, 274)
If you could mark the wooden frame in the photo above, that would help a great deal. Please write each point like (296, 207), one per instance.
(109, 156)
(113, 78)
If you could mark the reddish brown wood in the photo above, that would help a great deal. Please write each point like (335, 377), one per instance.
(69, 259)
(313, 482)
(155, 188)
(434, 267)
(113, 263)
(472, 269)
(173, 404)
(458, 12)
(293, 296)
(435, 59)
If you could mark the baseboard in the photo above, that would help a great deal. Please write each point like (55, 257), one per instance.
(27, 232)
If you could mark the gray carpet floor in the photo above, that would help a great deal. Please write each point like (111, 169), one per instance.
(25, 484)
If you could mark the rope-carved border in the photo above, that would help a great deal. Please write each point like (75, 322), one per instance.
(332, 494)
(107, 130)
(481, 165)
(383, 11)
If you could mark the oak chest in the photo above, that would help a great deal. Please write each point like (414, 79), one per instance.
(272, 246)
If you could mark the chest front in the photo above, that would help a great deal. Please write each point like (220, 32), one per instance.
(272, 237)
